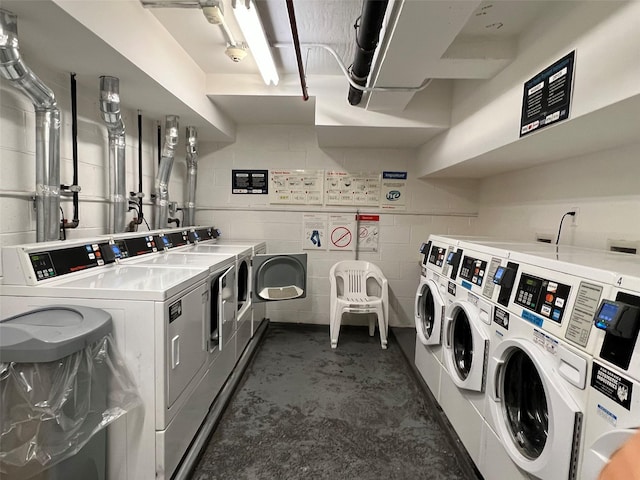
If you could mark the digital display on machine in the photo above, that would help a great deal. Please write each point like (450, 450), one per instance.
(176, 239)
(608, 312)
(140, 245)
(473, 270)
(204, 233)
(119, 249)
(68, 260)
(497, 277)
(546, 297)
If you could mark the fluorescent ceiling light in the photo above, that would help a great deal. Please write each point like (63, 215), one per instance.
(247, 16)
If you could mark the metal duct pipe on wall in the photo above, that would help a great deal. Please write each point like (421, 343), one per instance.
(192, 176)
(368, 33)
(161, 186)
(110, 112)
(13, 68)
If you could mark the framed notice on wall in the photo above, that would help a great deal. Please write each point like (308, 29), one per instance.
(296, 187)
(547, 96)
(249, 181)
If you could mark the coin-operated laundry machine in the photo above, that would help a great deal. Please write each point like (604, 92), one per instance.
(467, 339)
(258, 309)
(432, 297)
(220, 333)
(159, 316)
(243, 257)
(613, 411)
(538, 373)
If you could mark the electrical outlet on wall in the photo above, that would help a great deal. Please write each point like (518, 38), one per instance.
(574, 218)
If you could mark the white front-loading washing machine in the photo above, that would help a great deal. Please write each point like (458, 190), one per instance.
(613, 411)
(432, 297)
(159, 318)
(467, 338)
(538, 373)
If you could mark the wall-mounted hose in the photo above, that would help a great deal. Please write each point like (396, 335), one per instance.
(13, 68)
(161, 187)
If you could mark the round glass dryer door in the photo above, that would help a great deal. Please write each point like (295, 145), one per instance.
(525, 404)
(428, 313)
(466, 344)
(462, 343)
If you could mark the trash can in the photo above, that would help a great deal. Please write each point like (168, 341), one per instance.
(54, 382)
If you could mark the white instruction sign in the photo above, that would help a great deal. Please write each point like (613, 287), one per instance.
(394, 187)
(368, 232)
(344, 188)
(296, 187)
(314, 232)
(342, 232)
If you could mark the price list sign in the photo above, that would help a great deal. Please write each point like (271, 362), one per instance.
(547, 96)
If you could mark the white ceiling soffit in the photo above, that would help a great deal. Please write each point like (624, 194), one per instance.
(265, 109)
(375, 137)
(449, 40)
(616, 124)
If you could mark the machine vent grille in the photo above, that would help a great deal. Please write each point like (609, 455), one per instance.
(575, 449)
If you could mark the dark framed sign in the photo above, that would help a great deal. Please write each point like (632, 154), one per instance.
(250, 181)
(547, 96)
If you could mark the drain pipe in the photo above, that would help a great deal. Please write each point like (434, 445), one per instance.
(13, 68)
(192, 176)
(367, 35)
(110, 112)
(161, 186)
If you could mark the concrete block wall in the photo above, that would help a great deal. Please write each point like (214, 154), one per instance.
(605, 186)
(434, 206)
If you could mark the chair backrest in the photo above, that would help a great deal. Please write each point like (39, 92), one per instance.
(351, 277)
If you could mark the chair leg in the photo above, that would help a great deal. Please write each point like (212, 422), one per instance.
(372, 326)
(334, 329)
(382, 325)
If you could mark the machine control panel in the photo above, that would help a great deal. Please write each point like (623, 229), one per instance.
(205, 233)
(546, 297)
(175, 239)
(54, 263)
(133, 247)
(473, 270)
(193, 236)
(437, 254)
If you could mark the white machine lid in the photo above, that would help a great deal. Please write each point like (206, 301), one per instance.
(210, 248)
(126, 282)
(177, 259)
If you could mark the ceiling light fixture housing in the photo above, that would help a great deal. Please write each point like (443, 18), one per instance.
(247, 17)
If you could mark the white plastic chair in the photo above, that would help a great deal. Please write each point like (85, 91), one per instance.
(358, 286)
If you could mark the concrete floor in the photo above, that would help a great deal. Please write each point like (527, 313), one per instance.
(304, 410)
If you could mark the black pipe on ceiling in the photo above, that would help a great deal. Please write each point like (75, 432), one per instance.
(368, 28)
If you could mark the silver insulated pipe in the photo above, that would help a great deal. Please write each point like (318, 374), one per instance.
(192, 176)
(161, 186)
(110, 112)
(13, 68)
